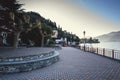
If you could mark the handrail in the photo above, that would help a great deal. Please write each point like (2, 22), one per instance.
(111, 53)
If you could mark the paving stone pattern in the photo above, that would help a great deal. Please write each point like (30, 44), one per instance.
(6, 52)
(73, 65)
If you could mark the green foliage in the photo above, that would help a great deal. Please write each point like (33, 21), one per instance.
(60, 32)
(90, 40)
(35, 15)
(24, 21)
(46, 28)
(51, 42)
(8, 6)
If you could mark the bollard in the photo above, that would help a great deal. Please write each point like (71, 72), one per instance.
(80, 47)
(113, 54)
(84, 48)
(103, 51)
(88, 49)
(97, 50)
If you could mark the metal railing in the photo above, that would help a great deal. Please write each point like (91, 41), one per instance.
(114, 54)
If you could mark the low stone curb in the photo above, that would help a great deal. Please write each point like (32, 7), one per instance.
(28, 63)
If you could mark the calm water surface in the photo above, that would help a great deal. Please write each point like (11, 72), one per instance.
(108, 45)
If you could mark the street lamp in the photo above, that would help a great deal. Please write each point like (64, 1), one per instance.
(84, 39)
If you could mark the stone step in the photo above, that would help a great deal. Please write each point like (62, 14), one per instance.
(28, 63)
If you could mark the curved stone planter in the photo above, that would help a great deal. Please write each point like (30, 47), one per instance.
(28, 63)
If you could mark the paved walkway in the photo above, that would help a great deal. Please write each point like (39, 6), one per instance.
(22, 51)
(73, 65)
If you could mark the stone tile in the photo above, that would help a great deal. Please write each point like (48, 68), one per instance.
(73, 65)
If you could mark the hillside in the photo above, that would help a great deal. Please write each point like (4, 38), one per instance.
(110, 37)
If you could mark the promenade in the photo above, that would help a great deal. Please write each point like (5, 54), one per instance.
(74, 64)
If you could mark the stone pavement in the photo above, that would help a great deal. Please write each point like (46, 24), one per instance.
(22, 51)
(73, 65)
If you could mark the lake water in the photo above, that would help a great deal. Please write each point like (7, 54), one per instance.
(108, 45)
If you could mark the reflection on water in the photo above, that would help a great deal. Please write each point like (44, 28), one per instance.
(108, 45)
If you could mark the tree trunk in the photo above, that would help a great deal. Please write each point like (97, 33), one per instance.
(42, 41)
(16, 37)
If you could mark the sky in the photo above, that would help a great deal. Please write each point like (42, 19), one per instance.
(96, 17)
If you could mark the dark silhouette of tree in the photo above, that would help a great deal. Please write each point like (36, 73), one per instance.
(47, 32)
(39, 29)
(10, 8)
(90, 40)
(28, 25)
(36, 15)
(60, 32)
(11, 18)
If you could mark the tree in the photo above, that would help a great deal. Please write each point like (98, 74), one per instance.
(38, 30)
(46, 33)
(8, 12)
(90, 40)
(11, 18)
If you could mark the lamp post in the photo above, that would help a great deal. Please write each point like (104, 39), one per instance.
(84, 39)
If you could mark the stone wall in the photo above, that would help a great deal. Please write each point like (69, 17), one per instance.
(28, 63)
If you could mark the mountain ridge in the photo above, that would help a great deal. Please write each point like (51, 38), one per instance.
(110, 37)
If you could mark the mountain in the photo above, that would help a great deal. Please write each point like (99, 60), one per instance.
(110, 37)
